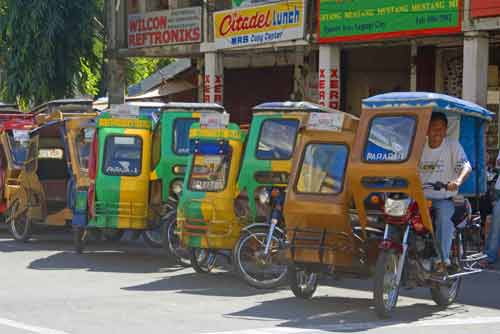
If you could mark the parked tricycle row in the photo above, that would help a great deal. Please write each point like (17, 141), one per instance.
(305, 190)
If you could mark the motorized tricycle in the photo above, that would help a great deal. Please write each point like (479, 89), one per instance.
(169, 158)
(14, 126)
(263, 175)
(117, 198)
(323, 232)
(385, 167)
(53, 152)
(206, 220)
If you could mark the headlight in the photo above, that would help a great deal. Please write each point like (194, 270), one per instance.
(179, 170)
(396, 207)
(264, 196)
(177, 187)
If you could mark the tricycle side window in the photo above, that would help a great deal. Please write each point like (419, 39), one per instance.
(122, 155)
(210, 167)
(322, 169)
(181, 135)
(19, 147)
(390, 139)
(277, 139)
(83, 145)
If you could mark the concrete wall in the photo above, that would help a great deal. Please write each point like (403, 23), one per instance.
(372, 71)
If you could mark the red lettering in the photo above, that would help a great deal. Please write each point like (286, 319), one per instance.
(196, 35)
(131, 40)
(235, 22)
(334, 83)
(321, 95)
(322, 73)
(334, 105)
(334, 73)
(322, 84)
(334, 95)
(132, 26)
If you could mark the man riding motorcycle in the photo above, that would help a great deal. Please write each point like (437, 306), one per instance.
(443, 160)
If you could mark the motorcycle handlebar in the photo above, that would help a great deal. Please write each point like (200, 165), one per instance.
(435, 186)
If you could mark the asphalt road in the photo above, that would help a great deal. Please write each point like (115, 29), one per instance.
(127, 288)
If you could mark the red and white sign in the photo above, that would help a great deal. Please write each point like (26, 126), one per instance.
(212, 89)
(329, 87)
(167, 27)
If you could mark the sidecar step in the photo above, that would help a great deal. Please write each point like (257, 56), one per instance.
(464, 273)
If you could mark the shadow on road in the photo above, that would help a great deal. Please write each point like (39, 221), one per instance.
(130, 261)
(339, 314)
(224, 284)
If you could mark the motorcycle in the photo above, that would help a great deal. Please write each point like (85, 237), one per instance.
(408, 250)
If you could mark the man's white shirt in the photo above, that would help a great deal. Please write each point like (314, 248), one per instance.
(442, 164)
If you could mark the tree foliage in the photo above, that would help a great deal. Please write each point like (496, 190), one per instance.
(55, 49)
(50, 49)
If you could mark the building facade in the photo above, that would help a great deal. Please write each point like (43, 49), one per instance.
(332, 52)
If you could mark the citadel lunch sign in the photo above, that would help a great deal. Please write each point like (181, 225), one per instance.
(362, 20)
(271, 23)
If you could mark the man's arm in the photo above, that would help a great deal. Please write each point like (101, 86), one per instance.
(465, 168)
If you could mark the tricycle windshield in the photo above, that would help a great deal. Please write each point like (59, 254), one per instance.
(83, 144)
(277, 139)
(18, 148)
(181, 135)
(390, 139)
(122, 155)
(323, 168)
(210, 169)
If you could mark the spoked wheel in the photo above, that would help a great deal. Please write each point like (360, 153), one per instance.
(113, 235)
(172, 243)
(302, 282)
(386, 289)
(202, 260)
(153, 237)
(80, 236)
(20, 226)
(445, 293)
(258, 269)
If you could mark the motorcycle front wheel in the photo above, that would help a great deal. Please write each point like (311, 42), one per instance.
(386, 289)
(20, 226)
(263, 271)
(171, 242)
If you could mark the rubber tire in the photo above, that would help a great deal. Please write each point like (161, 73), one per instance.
(201, 268)
(378, 285)
(296, 289)
(168, 226)
(442, 297)
(79, 239)
(26, 235)
(237, 263)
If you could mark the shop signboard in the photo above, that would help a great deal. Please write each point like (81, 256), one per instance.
(276, 22)
(166, 27)
(484, 8)
(250, 3)
(362, 20)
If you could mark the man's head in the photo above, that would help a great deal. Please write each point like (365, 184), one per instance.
(437, 129)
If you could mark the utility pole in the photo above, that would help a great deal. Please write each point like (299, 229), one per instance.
(116, 39)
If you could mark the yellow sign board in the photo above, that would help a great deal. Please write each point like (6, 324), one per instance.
(271, 23)
(124, 123)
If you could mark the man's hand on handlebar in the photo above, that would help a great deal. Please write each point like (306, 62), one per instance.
(453, 185)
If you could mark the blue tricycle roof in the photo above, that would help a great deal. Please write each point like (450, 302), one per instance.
(424, 99)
